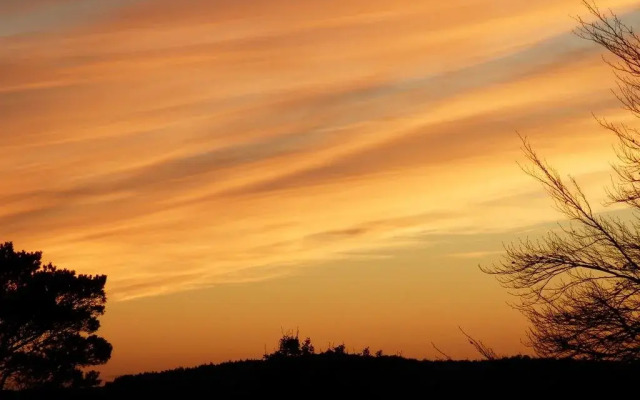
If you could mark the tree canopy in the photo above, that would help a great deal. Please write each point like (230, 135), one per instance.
(580, 286)
(48, 320)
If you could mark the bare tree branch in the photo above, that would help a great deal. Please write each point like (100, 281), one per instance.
(580, 285)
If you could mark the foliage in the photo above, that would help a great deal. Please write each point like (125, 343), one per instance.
(580, 287)
(289, 346)
(307, 348)
(354, 375)
(337, 350)
(48, 317)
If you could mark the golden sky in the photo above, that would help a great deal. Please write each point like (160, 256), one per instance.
(239, 167)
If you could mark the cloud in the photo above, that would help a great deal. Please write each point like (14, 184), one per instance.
(43, 16)
(177, 146)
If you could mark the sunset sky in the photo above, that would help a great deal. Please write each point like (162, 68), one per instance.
(239, 168)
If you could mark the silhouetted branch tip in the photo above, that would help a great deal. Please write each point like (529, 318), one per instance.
(485, 351)
(579, 285)
(446, 356)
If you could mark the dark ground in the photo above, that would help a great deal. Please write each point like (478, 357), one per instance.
(322, 375)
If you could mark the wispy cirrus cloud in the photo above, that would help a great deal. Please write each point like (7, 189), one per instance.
(181, 146)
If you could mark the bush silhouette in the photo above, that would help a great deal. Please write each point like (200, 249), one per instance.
(307, 348)
(289, 346)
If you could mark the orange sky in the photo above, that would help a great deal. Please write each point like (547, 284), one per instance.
(241, 167)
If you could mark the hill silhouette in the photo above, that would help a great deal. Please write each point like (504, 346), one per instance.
(335, 373)
(332, 374)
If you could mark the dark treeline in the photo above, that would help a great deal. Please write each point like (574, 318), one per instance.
(339, 374)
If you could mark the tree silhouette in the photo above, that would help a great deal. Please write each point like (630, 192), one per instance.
(580, 287)
(307, 348)
(289, 346)
(48, 317)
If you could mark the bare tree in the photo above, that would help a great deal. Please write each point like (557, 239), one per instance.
(580, 286)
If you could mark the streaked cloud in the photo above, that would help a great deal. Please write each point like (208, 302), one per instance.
(18, 18)
(177, 146)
